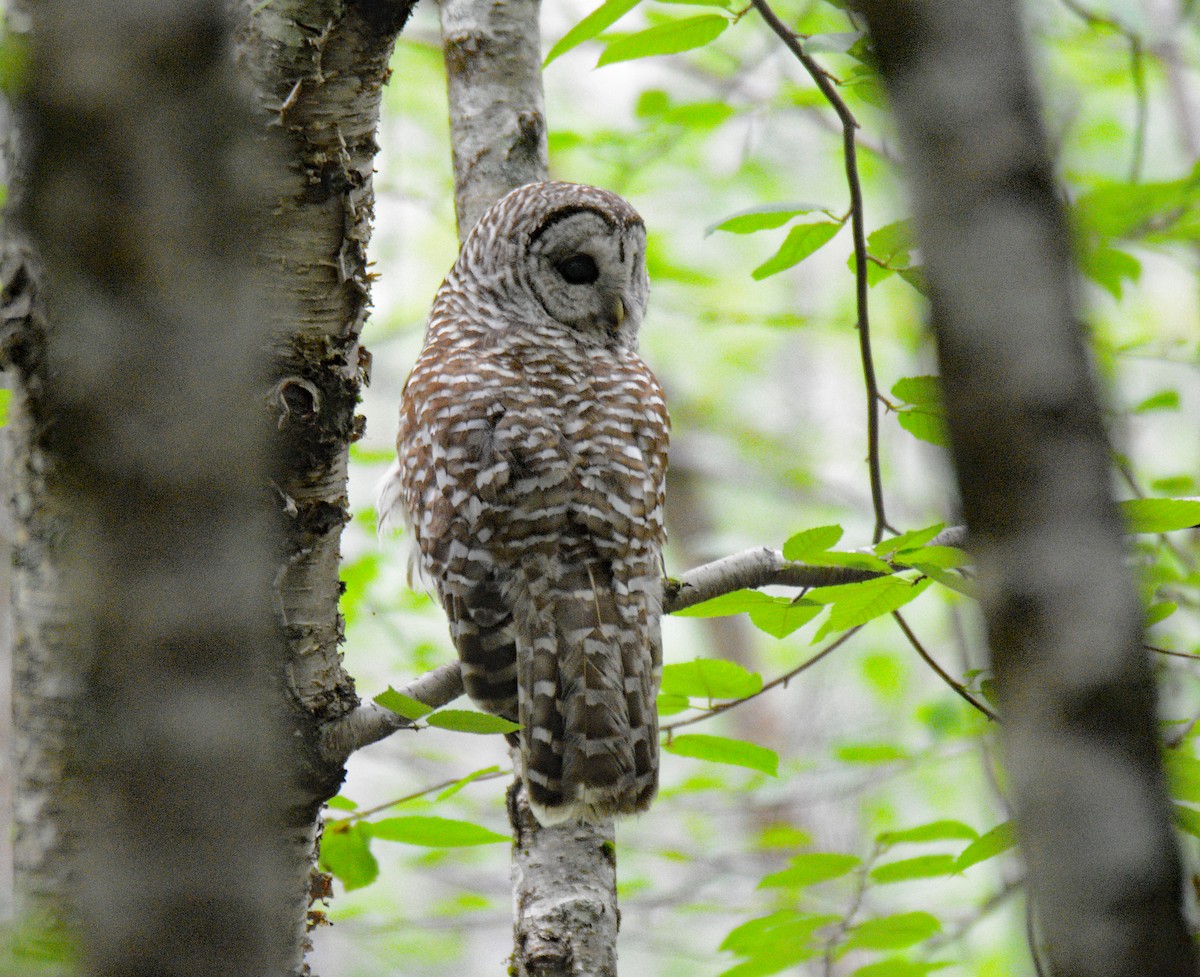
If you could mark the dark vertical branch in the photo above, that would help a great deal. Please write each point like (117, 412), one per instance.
(858, 229)
(1032, 460)
(141, 193)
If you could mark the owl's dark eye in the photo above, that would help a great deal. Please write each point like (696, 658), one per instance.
(579, 269)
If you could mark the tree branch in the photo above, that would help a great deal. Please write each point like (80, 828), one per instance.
(858, 228)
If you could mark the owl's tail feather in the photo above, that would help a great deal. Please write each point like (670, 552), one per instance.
(482, 628)
(589, 743)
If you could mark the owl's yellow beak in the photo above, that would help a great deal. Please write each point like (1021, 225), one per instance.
(618, 311)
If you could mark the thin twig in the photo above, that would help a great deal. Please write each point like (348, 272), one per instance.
(858, 227)
(1031, 935)
(945, 676)
(1173, 654)
(781, 680)
(367, 812)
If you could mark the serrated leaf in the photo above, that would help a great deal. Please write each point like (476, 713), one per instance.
(346, 854)
(1160, 611)
(995, 842)
(925, 391)
(737, 602)
(911, 540)
(892, 932)
(1163, 400)
(858, 603)
(933, 831)
(809, 542)
(857, 561)
(707, 678)
(1160, 515)
(811, 868)
(1187, 819)
(921, 867)
(402, 705)
(953, 581)
(605, 15)
(469, 721)
(801, 241)
(433, 832)
(781, 616)
(870, 753)
(924, 425)
(760, 218)
(721, 749)
(670, 38)
(462, 782)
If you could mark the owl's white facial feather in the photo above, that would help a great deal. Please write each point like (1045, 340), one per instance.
(589, 274)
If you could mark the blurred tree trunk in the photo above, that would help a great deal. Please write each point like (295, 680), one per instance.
(1033, 466)
(177, 565)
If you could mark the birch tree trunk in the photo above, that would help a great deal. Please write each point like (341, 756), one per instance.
(1033, 466)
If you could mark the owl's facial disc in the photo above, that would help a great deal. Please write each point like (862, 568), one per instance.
(589, 274)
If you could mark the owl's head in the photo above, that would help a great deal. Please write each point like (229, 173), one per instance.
(576, 254)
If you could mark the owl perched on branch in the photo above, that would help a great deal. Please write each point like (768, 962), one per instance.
(532, 451)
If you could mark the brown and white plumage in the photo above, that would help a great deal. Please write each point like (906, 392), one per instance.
(531, 458)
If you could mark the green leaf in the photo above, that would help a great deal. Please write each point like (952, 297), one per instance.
(995, 842)
(1163, 400)
(761, 218)
(942, 557)
(898, 967)
(346, 854)
(340, 803)
(710, 679)
(5, 398)
(921, 867)
(786, 926)
(892, 932)
(801, 241)
(858, 603)
(783, 616)
(891, 241)
(669, 705)
(720, 749)
(924, 425)
(469, 721)
(604, 16)
(671, 38)
(433, 832)
(857, 561)
(924, 390)
(811, 868)
(736, 602)
(933, 831)
(913, 539)
(1183, 776)
(402, 704)
(870, 753)
(1160, 611)
(1110, 269)
(1187, 819)
(462, 782)
(1160, 515)
(809, 542)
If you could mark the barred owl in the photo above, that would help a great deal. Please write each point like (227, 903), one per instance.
(531, 456)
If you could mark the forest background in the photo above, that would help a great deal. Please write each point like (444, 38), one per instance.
(851, 819)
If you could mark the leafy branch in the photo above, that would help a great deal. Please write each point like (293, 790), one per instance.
(824, 82)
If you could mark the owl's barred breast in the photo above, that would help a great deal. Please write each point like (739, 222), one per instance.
(531, 462)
